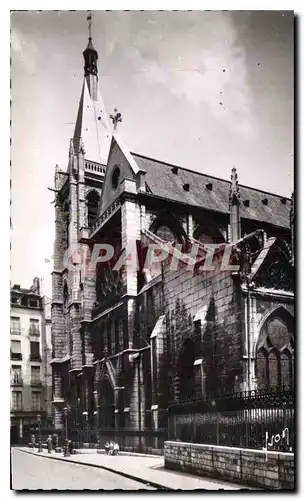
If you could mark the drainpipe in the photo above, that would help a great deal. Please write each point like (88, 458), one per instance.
(248, 334)
(139, 404)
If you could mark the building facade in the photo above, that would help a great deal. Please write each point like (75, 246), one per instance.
(127, 339)
(30, 356)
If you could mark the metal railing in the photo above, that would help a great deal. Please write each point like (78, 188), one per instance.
(16, 330)
(34, 332)
(16, 356)
(16, 380)
(245, 420)
(36, 382)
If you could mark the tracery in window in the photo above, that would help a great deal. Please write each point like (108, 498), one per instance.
(275, 351)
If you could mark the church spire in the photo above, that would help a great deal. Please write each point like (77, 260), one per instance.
(90, 56)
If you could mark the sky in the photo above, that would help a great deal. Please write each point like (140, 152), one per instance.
(206, 90)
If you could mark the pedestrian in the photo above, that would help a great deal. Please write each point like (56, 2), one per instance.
(115, 449)
(49, 443)
(107, 447)
(111, 448)
(33, 441)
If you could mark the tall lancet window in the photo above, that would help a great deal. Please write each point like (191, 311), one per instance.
(275, 351)
(92, 206)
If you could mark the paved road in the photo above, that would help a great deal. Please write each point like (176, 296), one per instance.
(32, 472)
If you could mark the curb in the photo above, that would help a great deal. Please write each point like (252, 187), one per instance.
(124, 474)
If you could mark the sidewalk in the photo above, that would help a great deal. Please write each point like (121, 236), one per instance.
(145, 468)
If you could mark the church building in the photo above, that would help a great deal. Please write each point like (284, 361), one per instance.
(127, 340)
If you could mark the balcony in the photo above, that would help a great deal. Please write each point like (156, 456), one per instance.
(35, 357)
(16, 331)
(35, 332)
(36, 382)
(16, 356)
(16, 380)
(15, 408)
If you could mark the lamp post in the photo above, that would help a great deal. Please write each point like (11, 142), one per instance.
(66, 448)
(86, 415)
(213, 404)
(39, 433)
(96, 426)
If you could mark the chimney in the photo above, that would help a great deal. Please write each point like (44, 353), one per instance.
(35, 288)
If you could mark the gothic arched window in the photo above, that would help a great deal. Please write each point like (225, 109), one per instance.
(275, 351)
(186, 371)
(92, 206)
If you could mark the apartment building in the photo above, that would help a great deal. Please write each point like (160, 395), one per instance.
(30, 355)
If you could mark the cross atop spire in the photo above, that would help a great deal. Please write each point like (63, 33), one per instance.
(116, 117)
(90, 54)
(89, 19)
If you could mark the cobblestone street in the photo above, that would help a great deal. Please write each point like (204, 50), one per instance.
(33, 472)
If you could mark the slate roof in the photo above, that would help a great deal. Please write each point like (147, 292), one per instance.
(93, 126)
(165, 184)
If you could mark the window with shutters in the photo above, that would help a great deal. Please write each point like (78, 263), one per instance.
(34, 327)
(15, 325)
(16, 378)
(35, 375)
(35, 351)
(16, 401)
(36, 401)
(16, 349)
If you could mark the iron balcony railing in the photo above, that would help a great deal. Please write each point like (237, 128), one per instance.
(35, 357)
(36, 382)
(15, 330)
(34, 332)
(16, 380)
(16, 407)
(16, 356)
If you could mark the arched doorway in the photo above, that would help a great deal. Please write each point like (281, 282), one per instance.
(106, 405)
(186, 371)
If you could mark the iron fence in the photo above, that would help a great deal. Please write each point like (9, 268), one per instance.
(247, 420)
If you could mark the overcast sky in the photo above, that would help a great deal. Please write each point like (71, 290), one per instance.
(205, 90)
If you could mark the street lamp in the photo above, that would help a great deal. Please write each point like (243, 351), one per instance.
(86, 415)
(95, 413)
(39, 433)
(66, 448)
(213, 404)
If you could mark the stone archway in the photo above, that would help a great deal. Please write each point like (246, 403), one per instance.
(106, 405)
(186, 370)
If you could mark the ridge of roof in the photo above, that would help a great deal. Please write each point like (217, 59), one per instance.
(167, 164)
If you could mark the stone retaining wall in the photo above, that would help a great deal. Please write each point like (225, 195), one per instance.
(240, 465)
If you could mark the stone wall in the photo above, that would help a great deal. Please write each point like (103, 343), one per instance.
(244, 466)
(212, 299)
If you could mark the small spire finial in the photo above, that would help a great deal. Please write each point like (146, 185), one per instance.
(116, 117)
(234, 193)
(89, 19)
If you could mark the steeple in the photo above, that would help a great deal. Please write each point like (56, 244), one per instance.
(90, 63)
(93, 129)
(234, 207)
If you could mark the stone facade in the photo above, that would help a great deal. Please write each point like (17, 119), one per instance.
(31, 353)
(126, 341)
(239, 465)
